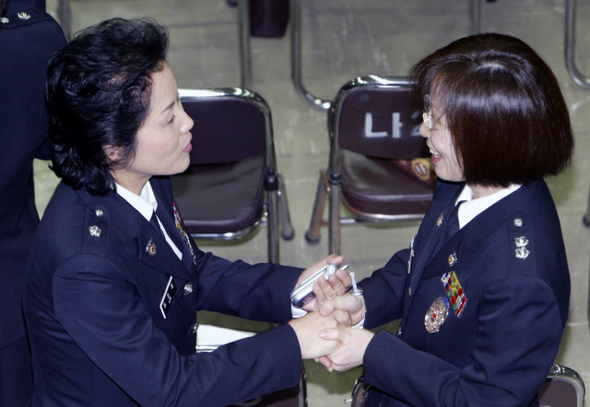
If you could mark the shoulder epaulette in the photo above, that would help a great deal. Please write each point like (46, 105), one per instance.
(25, 17)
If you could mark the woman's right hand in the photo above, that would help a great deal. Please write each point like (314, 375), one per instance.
(308, 328)
(350, 354)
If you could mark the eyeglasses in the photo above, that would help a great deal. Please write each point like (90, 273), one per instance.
(427, 118)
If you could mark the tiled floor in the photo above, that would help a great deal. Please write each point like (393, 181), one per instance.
(343, 39)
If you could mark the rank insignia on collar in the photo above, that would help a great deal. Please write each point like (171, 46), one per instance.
(150, 248)
(439, 221)
(455, 292)
(436, 315)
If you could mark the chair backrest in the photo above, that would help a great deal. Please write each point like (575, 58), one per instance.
(562, 388)
(375, 116)
(231, 124)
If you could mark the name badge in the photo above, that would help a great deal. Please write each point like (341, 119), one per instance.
(412, 254)
(167, 297)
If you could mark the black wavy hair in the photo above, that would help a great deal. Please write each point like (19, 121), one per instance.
(98, 94)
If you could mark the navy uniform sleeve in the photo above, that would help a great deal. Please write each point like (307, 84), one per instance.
(257, 292)
(384, 291)
(105, 318)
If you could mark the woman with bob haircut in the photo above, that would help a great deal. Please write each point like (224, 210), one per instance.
(484, 304)
(111, 298)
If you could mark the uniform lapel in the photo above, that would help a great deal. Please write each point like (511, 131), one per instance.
(431, 232)
(130, 225)
(473, 235)
(172, 230)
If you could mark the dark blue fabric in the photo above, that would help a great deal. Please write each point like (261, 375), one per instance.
(499, 351)
(26, 45)
(97, 331)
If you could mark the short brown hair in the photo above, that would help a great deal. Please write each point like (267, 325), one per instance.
(503, 107)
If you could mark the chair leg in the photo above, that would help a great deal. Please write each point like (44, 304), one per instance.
(312, 235)
(474, 15)
(273, 226)
(65, 17)
(244, 39)
(570, 42)
(287, 231)
(296, 74)
(334, 214)
(586, 218)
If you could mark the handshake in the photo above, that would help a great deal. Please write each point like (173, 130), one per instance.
(327, 332)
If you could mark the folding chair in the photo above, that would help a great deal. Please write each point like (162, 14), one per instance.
(232, 184)
(296, 70)
(64, 13)
(372, 122)
(562, 388)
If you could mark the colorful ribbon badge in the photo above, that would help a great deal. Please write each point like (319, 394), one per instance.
(454, 292)
(178, 222)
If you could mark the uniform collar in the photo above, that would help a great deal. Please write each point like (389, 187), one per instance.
(470, 207)
(145, 203)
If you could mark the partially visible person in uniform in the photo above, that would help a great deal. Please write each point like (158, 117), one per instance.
(114, 280)
(15, 6)
(28, 39)
(484, 304)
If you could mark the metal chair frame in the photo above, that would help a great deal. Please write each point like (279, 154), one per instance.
(296, 70)
(330, 182)
(570, 41)
(276, 213)
(565, 374)
(65, 15)
(558, 372)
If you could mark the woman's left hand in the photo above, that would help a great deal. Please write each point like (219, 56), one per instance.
(336, 285)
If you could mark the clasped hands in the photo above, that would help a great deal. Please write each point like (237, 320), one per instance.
(326, 332)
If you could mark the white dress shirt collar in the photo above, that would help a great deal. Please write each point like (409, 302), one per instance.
(145, 203)
(473, 207)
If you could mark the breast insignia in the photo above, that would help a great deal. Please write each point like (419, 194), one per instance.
(452, 259)
(150, 248)
(439, 221)
(436, 315)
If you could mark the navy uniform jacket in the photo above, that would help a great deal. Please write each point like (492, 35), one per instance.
(27, 43)
(511, 265)
(15, 6)
(98, 333)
